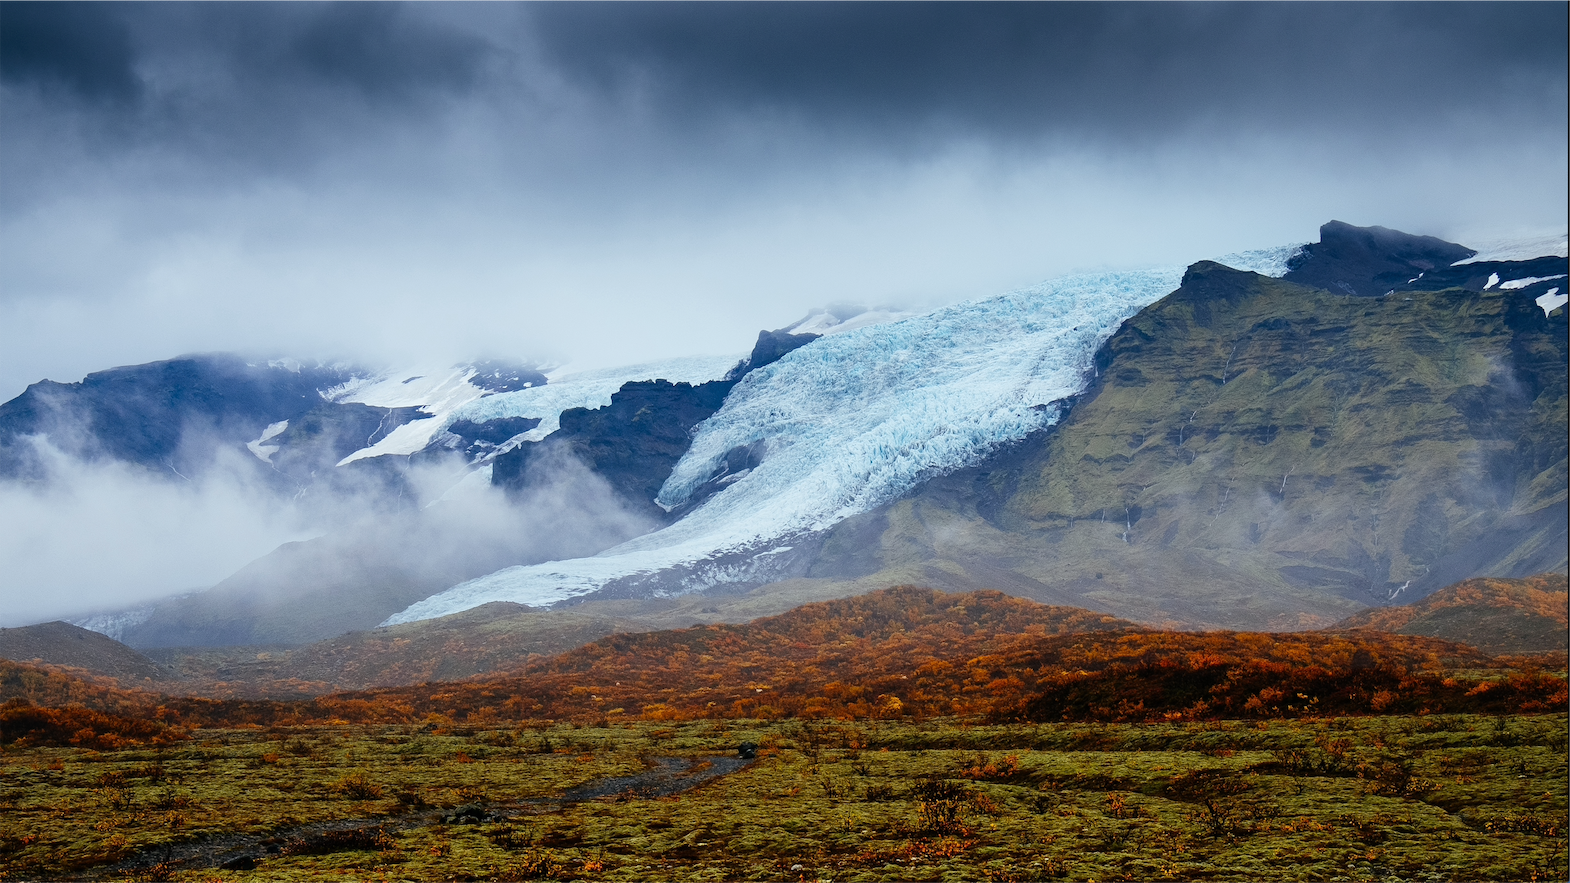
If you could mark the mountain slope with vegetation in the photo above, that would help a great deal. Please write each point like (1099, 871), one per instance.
(60, 643)
(1493, 615)
(1255, 453)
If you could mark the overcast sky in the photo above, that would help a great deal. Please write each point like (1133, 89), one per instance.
(617, 182)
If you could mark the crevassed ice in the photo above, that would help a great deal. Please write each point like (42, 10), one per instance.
(852, 421)
(587, 389)
(1271, 262)
(1520, 248)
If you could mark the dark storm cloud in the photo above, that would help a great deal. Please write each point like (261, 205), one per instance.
(1103, 68)
(320, 179)
(217, 77)
(80, 47)
(96, 49)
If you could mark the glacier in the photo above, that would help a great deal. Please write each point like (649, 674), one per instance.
(585, 389)
(437, 391)
(847, 423)
(1519, 248)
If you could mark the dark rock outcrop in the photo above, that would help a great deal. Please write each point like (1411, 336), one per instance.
(771, 347)
(633, 443)
(496, 376)
(1370, 261)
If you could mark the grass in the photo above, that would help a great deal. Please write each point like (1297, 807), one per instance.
(1413, 798)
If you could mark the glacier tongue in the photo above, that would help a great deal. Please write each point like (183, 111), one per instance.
(847, 423)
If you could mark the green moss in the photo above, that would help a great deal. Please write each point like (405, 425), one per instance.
(1484, 798)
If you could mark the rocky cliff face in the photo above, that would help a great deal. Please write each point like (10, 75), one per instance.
(1256, 453)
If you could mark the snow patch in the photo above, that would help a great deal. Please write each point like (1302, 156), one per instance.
(439, 392)
(1514, 284)
(1493, 279)
(849, 422)
(1551, 300)
(260, 448)
(114, 625)
(585, 389)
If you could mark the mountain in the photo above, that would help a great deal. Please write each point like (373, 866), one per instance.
(1257, 453)
(288, 424)
(63, 644)
(580, 479)
(1243, 451)
(1370, 261)
(1494, 615)
(839, 426)
(168, 417)
(1271, 440)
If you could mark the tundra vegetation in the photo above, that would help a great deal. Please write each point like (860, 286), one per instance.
(908, 735)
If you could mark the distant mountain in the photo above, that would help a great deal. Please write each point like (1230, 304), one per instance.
(1492, 614)
(288, 424)
(60, 643)
(169, 417)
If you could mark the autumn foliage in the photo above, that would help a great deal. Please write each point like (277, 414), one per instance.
(24, 724)
(912, 653)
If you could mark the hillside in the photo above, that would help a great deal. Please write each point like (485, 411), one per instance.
(916, 653)
(904, 653)
(490, 638)
(1493, 615)
(1256, 453)
(63, 644)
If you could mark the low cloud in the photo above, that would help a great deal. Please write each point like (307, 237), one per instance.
(98, 535)
(103, 536)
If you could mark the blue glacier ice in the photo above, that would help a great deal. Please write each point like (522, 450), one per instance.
(852, 421)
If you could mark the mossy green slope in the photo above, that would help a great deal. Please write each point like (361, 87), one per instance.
(1258, 454)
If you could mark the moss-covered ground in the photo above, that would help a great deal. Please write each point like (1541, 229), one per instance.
(1368, 798)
